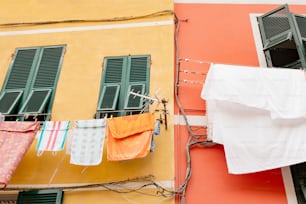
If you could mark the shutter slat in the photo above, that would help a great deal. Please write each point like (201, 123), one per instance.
(20, 69)
(48, 67)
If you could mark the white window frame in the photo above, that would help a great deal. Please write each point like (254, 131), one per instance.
(286, 172)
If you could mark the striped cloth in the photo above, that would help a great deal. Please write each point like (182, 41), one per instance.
(52, 136)
(87, 142)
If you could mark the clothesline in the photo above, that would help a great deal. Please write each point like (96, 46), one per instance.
(192, 72)
(192, 81)
(195, 61)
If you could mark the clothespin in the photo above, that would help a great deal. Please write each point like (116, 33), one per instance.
(35, 117)
(2, 117)
(26, 116)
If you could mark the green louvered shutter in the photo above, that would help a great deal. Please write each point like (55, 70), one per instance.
(36, 102)
(9, 101)
(45, 81)
(40, 197)
(20, 69)
(139, 69)
(48, 68)
(110, 95)
(113, 70)
(138, 81)
(17, 80)
(111, 83)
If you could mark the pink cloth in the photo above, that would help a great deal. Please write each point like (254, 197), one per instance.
(15, 139)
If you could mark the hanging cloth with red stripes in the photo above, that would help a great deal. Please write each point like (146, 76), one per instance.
(52, 136)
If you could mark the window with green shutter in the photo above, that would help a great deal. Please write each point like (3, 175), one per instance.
(30, 85)
(284, 38)
(120, 76)
(40, 197)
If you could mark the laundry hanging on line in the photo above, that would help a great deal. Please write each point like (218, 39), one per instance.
(258, 115)
(15, 139)
(129, 137)
(52, 136)
(87, 142)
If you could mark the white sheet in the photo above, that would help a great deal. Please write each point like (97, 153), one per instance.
(258, 133)
(278, 90)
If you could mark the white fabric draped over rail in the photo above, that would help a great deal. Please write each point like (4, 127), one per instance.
(258, 114)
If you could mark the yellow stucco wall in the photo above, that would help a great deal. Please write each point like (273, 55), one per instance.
(79, 82)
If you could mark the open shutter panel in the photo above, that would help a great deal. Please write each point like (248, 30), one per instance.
(275, 27)
(40, 197)
(9, 100)
(111, 83)
(20, 69)
(48, 67)
(109, 97)
(138, 81)
(281, 40)
(135, 102)
(36, 101)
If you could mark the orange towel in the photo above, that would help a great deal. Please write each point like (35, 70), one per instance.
(129, 137)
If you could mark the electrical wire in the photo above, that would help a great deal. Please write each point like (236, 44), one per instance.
(193, 139)
(147, 180)
(103, 20)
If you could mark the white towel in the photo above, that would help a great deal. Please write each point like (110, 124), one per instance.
(87, 142)
(256, 132)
